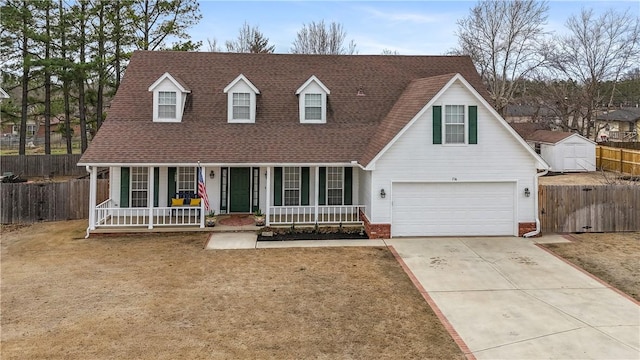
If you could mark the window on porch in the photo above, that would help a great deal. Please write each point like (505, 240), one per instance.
(335, 185)
(139, 186)
(186, 179)
(291, 186)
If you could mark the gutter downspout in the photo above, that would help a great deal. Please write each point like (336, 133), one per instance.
(537, 230)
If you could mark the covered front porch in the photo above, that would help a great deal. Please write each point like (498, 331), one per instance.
(141, 197)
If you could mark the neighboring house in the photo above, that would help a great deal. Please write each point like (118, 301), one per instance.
(522, 113)
(3, 94)
(406, 145)
(619, 125)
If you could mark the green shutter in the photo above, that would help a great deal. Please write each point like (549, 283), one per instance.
(304, 175)
(322, 187)
(277, 186)
(171, 182)
(156, 185)
(124, 187)
(348, 185)
(473, 124)
(437, 124)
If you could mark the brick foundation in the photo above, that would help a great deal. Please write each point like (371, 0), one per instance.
(375, 231)
(526, 227)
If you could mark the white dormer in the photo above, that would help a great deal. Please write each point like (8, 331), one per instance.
(241, 100)
(312, 99)
(169, 97)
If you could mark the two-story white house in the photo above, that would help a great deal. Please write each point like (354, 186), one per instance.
(406, 145)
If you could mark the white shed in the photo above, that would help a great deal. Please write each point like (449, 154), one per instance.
(564, 151)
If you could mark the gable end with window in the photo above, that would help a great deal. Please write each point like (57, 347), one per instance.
(312, 100)
(169, 98)
(455, 124)
(241, 100)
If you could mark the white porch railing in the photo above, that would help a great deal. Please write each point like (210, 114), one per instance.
(306, 214)
(108, 215)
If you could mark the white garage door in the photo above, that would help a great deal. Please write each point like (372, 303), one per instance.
(449, 209)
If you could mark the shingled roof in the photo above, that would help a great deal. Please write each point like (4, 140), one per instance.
(629, 114)
(395, 88)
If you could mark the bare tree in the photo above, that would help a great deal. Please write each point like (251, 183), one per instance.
(386, 51)
(595, 50)
(504, 40)
(318, 38)
(250, 40)
(212, 45)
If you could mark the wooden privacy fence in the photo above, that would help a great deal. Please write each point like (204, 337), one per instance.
(41, 165)
(32, 202)
(618, 159)
(589, 208)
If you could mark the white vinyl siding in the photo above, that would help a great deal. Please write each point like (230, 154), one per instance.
(499, 157)
(335, 185)
(186, 179)
(167, 105)
(139, 188)
(241, 106)
(291, 185)
(454, 124)
(313, 107)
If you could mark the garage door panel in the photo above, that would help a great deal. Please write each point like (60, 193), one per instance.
(439, 209)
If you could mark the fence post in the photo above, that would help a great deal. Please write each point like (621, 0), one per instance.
(621, 162)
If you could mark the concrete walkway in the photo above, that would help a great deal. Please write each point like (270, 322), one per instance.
(508, 299)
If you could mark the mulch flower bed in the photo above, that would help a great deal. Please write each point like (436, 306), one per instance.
(283, 234)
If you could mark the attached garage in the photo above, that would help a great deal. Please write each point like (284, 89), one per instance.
(453, 209)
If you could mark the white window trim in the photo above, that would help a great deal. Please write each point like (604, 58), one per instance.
(341, 186)
(241, 85)
(146, 189)
(284, 188)
(175, 105)
(312, 86)
(465, 113)
(194, 187)
(167, 83)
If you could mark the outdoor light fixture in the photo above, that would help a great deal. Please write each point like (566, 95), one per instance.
(382, 193)
(265, 174)
(527, 192)
(212, 174)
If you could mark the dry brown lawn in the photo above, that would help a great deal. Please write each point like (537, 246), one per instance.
(164, 297)
(613, 257)
(586, 178)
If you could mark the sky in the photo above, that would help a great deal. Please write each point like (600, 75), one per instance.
(408, 27)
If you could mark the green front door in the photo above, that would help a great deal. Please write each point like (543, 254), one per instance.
(240, 190)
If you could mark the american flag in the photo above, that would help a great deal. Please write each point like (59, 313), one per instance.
(202, 189)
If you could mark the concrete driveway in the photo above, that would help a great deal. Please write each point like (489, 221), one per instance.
(508, 299)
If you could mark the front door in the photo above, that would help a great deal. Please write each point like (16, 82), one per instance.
(240, 190)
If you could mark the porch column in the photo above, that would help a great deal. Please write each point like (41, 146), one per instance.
(150, 182)
(205, 189)
(315, 193)
(93, 188)
(268, 194)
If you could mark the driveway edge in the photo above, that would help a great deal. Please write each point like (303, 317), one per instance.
(443, 319)
(604, 283)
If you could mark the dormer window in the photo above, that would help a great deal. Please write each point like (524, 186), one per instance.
(241, 106)
(241, 100)
(313, 101)
(313, 107)
(169, 98)
(167, 104)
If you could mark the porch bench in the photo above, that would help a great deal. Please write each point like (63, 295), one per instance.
(183, 201)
